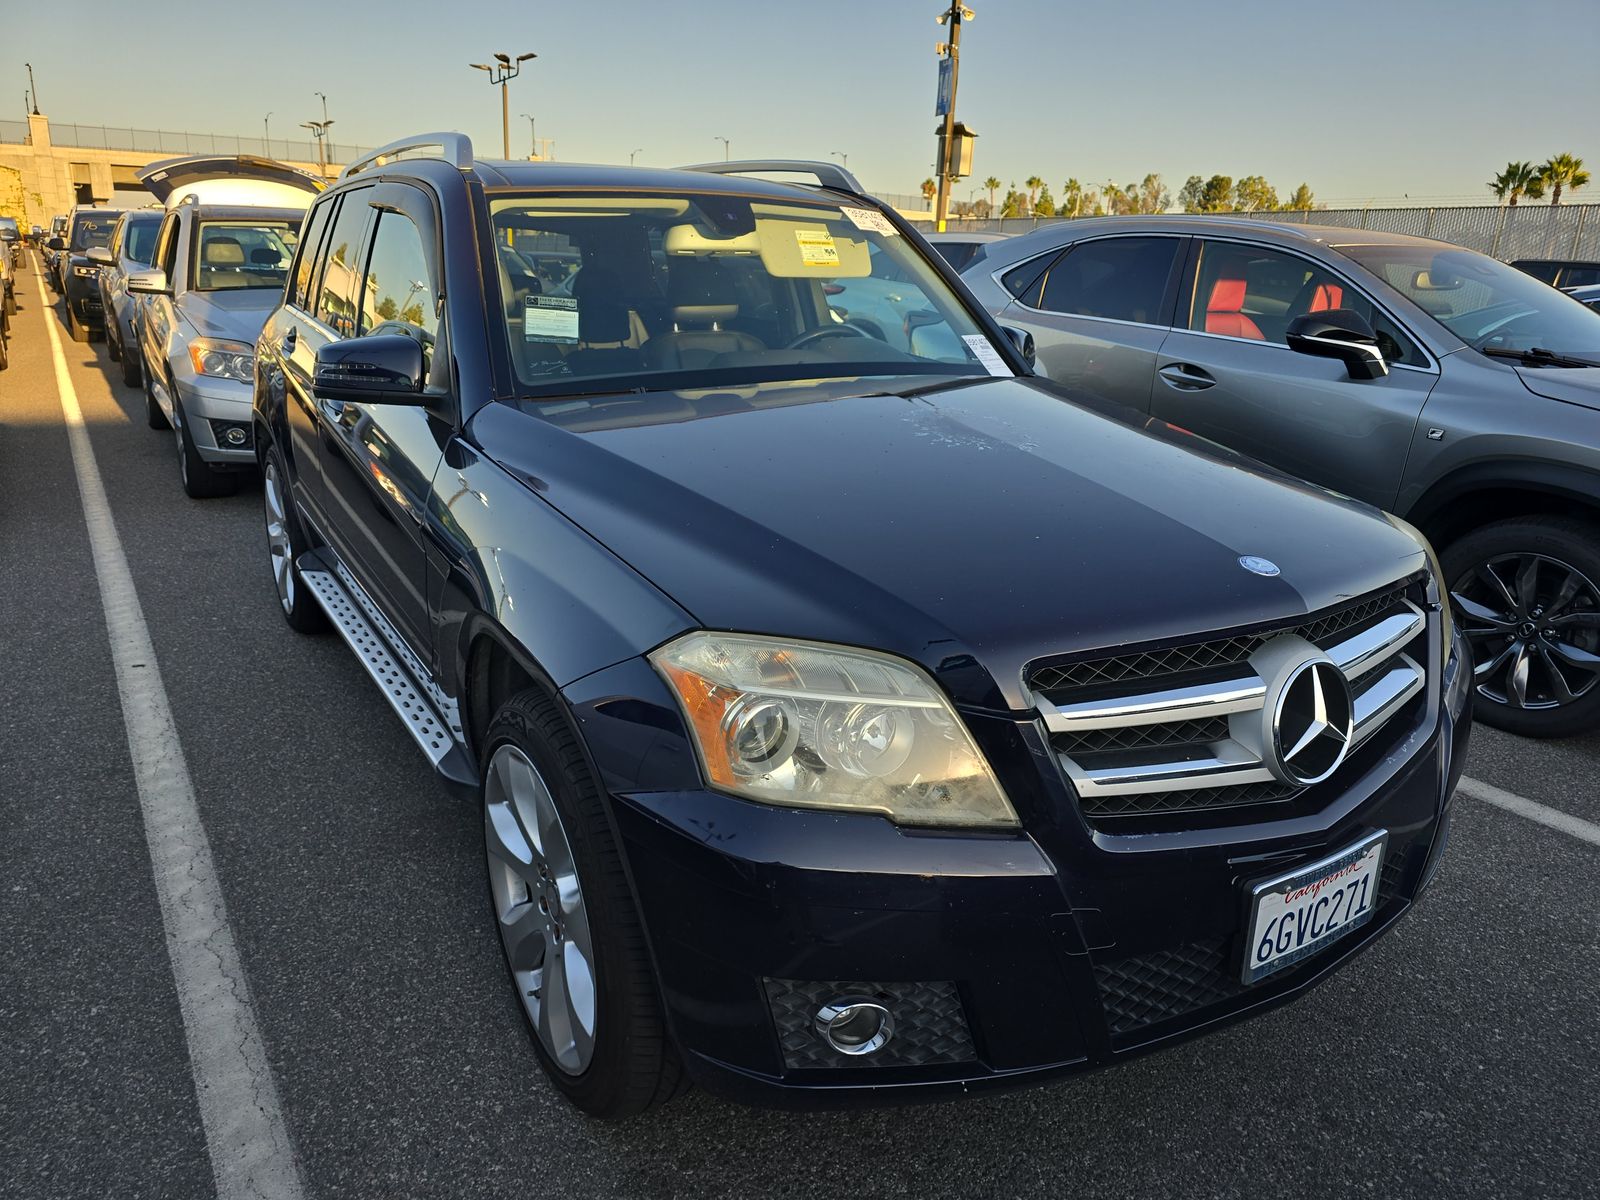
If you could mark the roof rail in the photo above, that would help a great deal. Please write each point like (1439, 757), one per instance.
(453, 148)
(826, 174)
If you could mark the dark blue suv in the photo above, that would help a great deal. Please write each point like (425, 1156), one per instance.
(853, 716)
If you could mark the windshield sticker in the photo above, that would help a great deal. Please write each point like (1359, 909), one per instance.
(870, 220)
(550, 319)
(983, 350)
(817, 248)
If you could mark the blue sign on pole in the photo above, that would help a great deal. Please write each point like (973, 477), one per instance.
(941, 104)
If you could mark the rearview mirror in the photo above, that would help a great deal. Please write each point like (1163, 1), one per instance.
(56, 243)
(1340, 333)
(149, 283)
(383, 368)
(99, 254)
(1436, 281)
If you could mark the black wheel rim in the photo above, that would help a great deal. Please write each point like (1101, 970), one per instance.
(1534, 625)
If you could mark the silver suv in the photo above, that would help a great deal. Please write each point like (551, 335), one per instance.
(1432, 381)
(221, 256)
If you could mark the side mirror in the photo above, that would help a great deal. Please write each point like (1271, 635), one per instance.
(56, 243)
(382, 368)
(100, 255)
(1023, 341)
(149, 283)
(1339, 333)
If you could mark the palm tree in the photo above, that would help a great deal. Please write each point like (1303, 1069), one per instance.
(1563, 171)
(991, 185)
(1033, 183)
(1518, 179)
(929, 190)
(1072, 198)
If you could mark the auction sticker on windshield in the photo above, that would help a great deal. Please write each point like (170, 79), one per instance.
(550, 319)
(1294, 916)
(817, 248)
(869, 220)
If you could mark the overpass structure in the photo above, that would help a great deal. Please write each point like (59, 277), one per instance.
(45, 171)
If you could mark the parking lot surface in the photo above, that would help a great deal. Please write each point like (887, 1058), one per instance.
(1460, 1056)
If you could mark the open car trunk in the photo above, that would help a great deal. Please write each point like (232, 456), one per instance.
(230, 179)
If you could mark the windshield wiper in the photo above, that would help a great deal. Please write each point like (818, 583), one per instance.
(1538, 356)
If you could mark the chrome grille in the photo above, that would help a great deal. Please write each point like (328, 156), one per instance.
(1183, 729)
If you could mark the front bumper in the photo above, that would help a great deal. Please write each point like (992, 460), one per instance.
(83, 298)
(212, 406)
(1006, 960)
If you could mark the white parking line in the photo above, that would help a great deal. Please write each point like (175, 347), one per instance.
(1554, 818)
(251, 1155)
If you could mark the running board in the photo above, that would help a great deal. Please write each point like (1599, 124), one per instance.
(407, 694)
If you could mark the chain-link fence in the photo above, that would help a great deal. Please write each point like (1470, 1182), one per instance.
(1525, 231)
(164, 141)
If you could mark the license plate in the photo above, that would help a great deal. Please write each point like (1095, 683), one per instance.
(1294, 916)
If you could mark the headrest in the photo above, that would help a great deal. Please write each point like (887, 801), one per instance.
(265, 256)
(223, 252)
(602, 320)
(1227, 296)
(701, 293)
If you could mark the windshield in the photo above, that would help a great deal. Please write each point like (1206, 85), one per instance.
(1485, 303)
(631, 292)
(93, 231)
(243, 254)
(139, 238)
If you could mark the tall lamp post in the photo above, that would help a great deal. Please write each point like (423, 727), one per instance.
(633, 153)
(319, 130)
(533, 137)
(33, 87)
(949, 68)
(266, 134)
(502, 71)
(727, 148)
(844, 159)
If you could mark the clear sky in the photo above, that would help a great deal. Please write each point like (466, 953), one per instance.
(1365, 98)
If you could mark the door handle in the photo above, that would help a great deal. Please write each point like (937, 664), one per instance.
(1185, 377)
(332, 409)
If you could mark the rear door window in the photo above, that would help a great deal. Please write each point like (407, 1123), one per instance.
(310, 245)
(1121, 279)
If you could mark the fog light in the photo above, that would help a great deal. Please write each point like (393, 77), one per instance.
(234, 436)
(854, 1025)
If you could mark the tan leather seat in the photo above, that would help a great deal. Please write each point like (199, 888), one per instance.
(702, 300)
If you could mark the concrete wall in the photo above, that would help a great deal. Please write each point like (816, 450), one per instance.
(39, 180)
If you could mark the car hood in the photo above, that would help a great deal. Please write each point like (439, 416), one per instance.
(238, 314)
(971, 530)
(1575, 385)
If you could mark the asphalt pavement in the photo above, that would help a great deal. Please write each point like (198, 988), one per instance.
(1459, 1057)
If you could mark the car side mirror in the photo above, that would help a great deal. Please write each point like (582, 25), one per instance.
(100, 255)
(56, 243)
(382, 368)
(1023, 341)
(1340, 333)
(149, 283)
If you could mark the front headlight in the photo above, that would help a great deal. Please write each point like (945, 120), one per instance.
(1441, 586)
(815, 726)
(86, 272)
(223, 359)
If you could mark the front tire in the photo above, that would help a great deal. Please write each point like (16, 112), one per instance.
(201, 481)
(132, 376)
(286, 542)
(572, 939)
(76, 328)
(1526, 593)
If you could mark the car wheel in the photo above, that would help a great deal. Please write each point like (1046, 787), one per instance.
(1527, 595)
(286, 542)
(153, 415)
(5, 353)
(572, 940)
(113, 346)
(11, 304)
(131, 374)
(75, 327)
(201, 481)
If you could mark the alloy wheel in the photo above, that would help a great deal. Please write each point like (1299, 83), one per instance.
(1534, 624)
(278, 544)
(539, 907)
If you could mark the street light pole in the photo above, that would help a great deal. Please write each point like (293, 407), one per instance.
(956, 13)
(33, 87)
(632, 153)
(323, 97)
(502, 71)
(727, 148)
(844, 159)
(533, 137)
(266, 134)
(319, 130)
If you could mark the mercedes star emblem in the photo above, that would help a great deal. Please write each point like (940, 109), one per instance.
(1259, 566)
(1312, 722)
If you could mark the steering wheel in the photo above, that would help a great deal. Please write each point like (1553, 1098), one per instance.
(827, 331)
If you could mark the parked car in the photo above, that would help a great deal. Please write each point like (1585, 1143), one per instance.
(848, 723)
(78, 272)
(1430, 380)
(1560, 272)
(1587, 294)
(9, 263)
(53, 246)
(132, 248)
(11, 240)
(959, 249)
(221, 257)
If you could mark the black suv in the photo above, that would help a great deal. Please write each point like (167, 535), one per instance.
(77, 275)
(850, 722)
